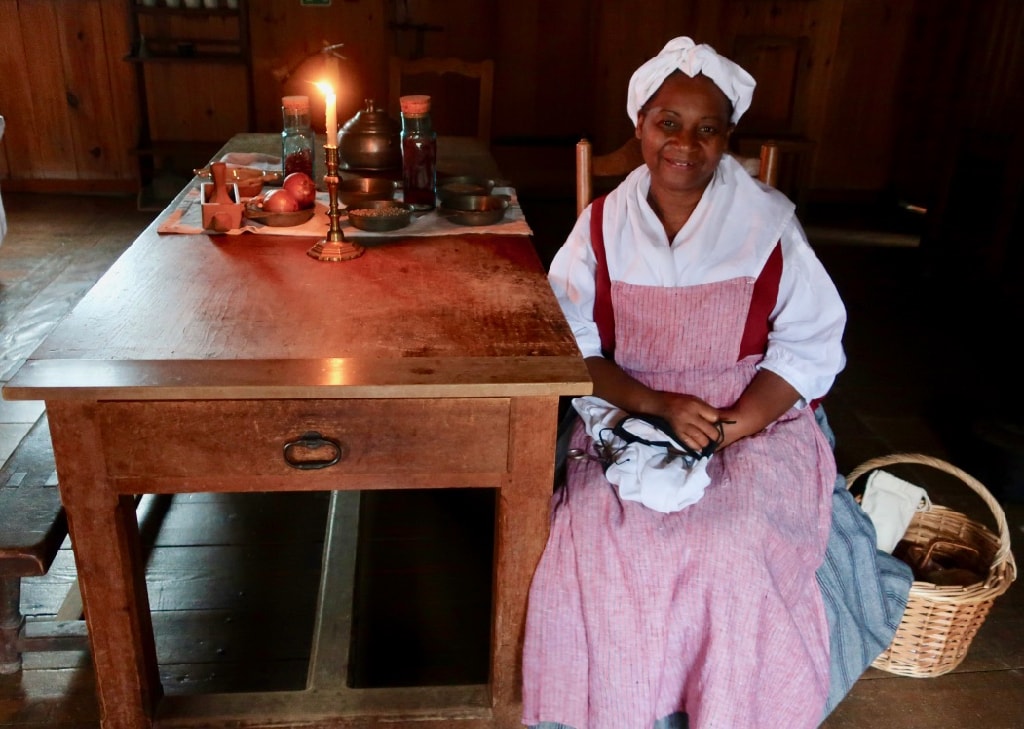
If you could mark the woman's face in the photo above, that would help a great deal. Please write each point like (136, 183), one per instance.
(684, 131)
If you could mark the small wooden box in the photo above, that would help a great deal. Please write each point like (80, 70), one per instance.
(221, 217)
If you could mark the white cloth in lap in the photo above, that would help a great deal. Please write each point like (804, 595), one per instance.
(643, 473)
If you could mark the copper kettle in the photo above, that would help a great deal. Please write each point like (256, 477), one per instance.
(370, 140)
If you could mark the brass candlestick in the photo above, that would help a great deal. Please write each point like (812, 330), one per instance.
(334, 247)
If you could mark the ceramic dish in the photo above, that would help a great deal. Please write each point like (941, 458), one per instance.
(266, 177)
(380, 216)
(357, 190)
(277, 220)
(248, 180)
(474, 209)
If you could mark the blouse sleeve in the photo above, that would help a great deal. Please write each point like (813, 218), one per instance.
(805, 342)
(571, 276)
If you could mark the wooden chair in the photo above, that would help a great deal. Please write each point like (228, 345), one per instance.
(628, 157)
(482, 71)
(3, 216)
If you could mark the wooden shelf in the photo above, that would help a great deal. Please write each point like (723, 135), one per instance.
(190, 12)
(232, 58)
(180, 102)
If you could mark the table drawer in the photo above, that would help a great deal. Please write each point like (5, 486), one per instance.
(234, 438)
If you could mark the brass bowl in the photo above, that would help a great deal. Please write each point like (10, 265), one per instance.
(246, 178)
(357, 190)
(461, 186)
(276, 220)
(380, 216)
(474, 209)
(249, 180)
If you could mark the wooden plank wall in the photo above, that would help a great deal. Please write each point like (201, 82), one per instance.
(857, 88)
(206, 102)
(287, 40)
(67, 98)
(974, 152)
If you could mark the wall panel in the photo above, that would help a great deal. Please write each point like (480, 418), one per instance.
(287, 38)
(66, 93)
(96, 79)
(860, 90)
(857, 134)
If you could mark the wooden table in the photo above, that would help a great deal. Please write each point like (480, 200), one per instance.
(194, 363)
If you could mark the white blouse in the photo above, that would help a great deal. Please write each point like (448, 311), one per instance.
(730, 234)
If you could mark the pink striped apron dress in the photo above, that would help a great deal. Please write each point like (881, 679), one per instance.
(636, 615)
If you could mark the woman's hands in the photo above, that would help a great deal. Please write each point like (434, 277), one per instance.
(696, 422)
(765, 400)
(692, 419)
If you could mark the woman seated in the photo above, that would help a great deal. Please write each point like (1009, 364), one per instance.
(700, 307)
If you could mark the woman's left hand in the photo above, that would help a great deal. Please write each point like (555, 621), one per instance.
(766, 398)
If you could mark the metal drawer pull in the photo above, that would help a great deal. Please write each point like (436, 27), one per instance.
(312, 441)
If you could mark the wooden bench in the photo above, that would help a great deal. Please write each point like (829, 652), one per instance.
(32, 529)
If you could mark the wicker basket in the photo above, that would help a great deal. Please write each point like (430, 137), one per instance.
(940, 621)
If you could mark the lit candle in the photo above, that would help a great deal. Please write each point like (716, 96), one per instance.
(331, 104)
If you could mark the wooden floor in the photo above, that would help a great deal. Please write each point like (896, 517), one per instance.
(233, 579)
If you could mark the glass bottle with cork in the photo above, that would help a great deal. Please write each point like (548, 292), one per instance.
(419, 153)
(297, 137)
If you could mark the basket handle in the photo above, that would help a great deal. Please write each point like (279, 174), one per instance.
(1003, 553)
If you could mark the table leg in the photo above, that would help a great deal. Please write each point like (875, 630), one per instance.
(104, 531)
(520, 535)
(105, 535)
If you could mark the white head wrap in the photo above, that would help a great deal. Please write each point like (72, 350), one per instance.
(684, 55)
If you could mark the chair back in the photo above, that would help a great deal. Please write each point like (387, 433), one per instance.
(401, 81)
(3, 215)
(628, 157)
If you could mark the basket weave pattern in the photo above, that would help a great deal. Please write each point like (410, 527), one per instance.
(941, 621)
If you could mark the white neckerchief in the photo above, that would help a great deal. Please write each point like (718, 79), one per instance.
(713, 245)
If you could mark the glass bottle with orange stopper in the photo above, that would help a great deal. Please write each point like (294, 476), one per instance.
(419, 153)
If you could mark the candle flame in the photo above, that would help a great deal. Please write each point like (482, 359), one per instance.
(324, 87)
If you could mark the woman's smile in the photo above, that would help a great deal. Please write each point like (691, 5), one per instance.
(684, 131)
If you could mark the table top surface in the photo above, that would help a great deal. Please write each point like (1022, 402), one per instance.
(251, 316)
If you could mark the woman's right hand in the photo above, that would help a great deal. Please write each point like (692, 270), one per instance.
(692, 419)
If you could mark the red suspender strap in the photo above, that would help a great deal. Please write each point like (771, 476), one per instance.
(762, 302)
(763, 298)
(604, 317)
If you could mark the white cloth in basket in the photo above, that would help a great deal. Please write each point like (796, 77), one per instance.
(891, 503)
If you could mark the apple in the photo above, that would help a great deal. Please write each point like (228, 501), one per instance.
(280, 201)
(302, 188)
